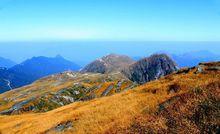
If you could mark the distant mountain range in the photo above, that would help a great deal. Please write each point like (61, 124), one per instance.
(193, 58)
(7, 63)
(190, 59)
(33, 69)
(38, 67)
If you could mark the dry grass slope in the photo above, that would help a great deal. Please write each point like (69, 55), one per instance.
(58, 90)
(145, 109)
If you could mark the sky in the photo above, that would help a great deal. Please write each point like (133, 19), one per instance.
(109, 20)
(83, 30)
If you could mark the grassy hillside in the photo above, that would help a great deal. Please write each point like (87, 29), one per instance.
(186, 101)
(58, 90)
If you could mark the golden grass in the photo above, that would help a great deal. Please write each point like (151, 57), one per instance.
(49, 85)
(99, 115)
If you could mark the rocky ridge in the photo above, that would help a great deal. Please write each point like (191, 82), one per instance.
(108, 64)
(150, 68)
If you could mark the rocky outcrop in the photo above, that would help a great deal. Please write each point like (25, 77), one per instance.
(108, 64)
(150, 68)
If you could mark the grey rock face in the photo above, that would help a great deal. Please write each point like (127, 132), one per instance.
(95, 67)
(62, 127)
(108, 64)
(18, 106)
(105, 93)
(150, 68)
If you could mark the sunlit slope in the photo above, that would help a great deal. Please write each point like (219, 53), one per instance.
(61, 89)
(134, 111)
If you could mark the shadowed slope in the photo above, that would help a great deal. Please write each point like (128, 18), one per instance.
(33, 69)
(150, 68)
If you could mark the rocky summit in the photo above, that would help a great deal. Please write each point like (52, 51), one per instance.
(150, 68)
(108, 64)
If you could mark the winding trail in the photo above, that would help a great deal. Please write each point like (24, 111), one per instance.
(8, 83)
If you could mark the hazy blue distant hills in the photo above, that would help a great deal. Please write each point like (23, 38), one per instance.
(6, 62)
(193, 58)
(37, 67)
(10, 79)
(33, 69)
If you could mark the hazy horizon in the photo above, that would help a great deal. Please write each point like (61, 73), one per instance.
(83, 52)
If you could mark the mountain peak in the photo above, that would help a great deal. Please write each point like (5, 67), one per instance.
(33, 69)
(150, 68)
(109, 63)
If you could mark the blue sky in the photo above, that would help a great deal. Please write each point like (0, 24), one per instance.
(112, 20)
